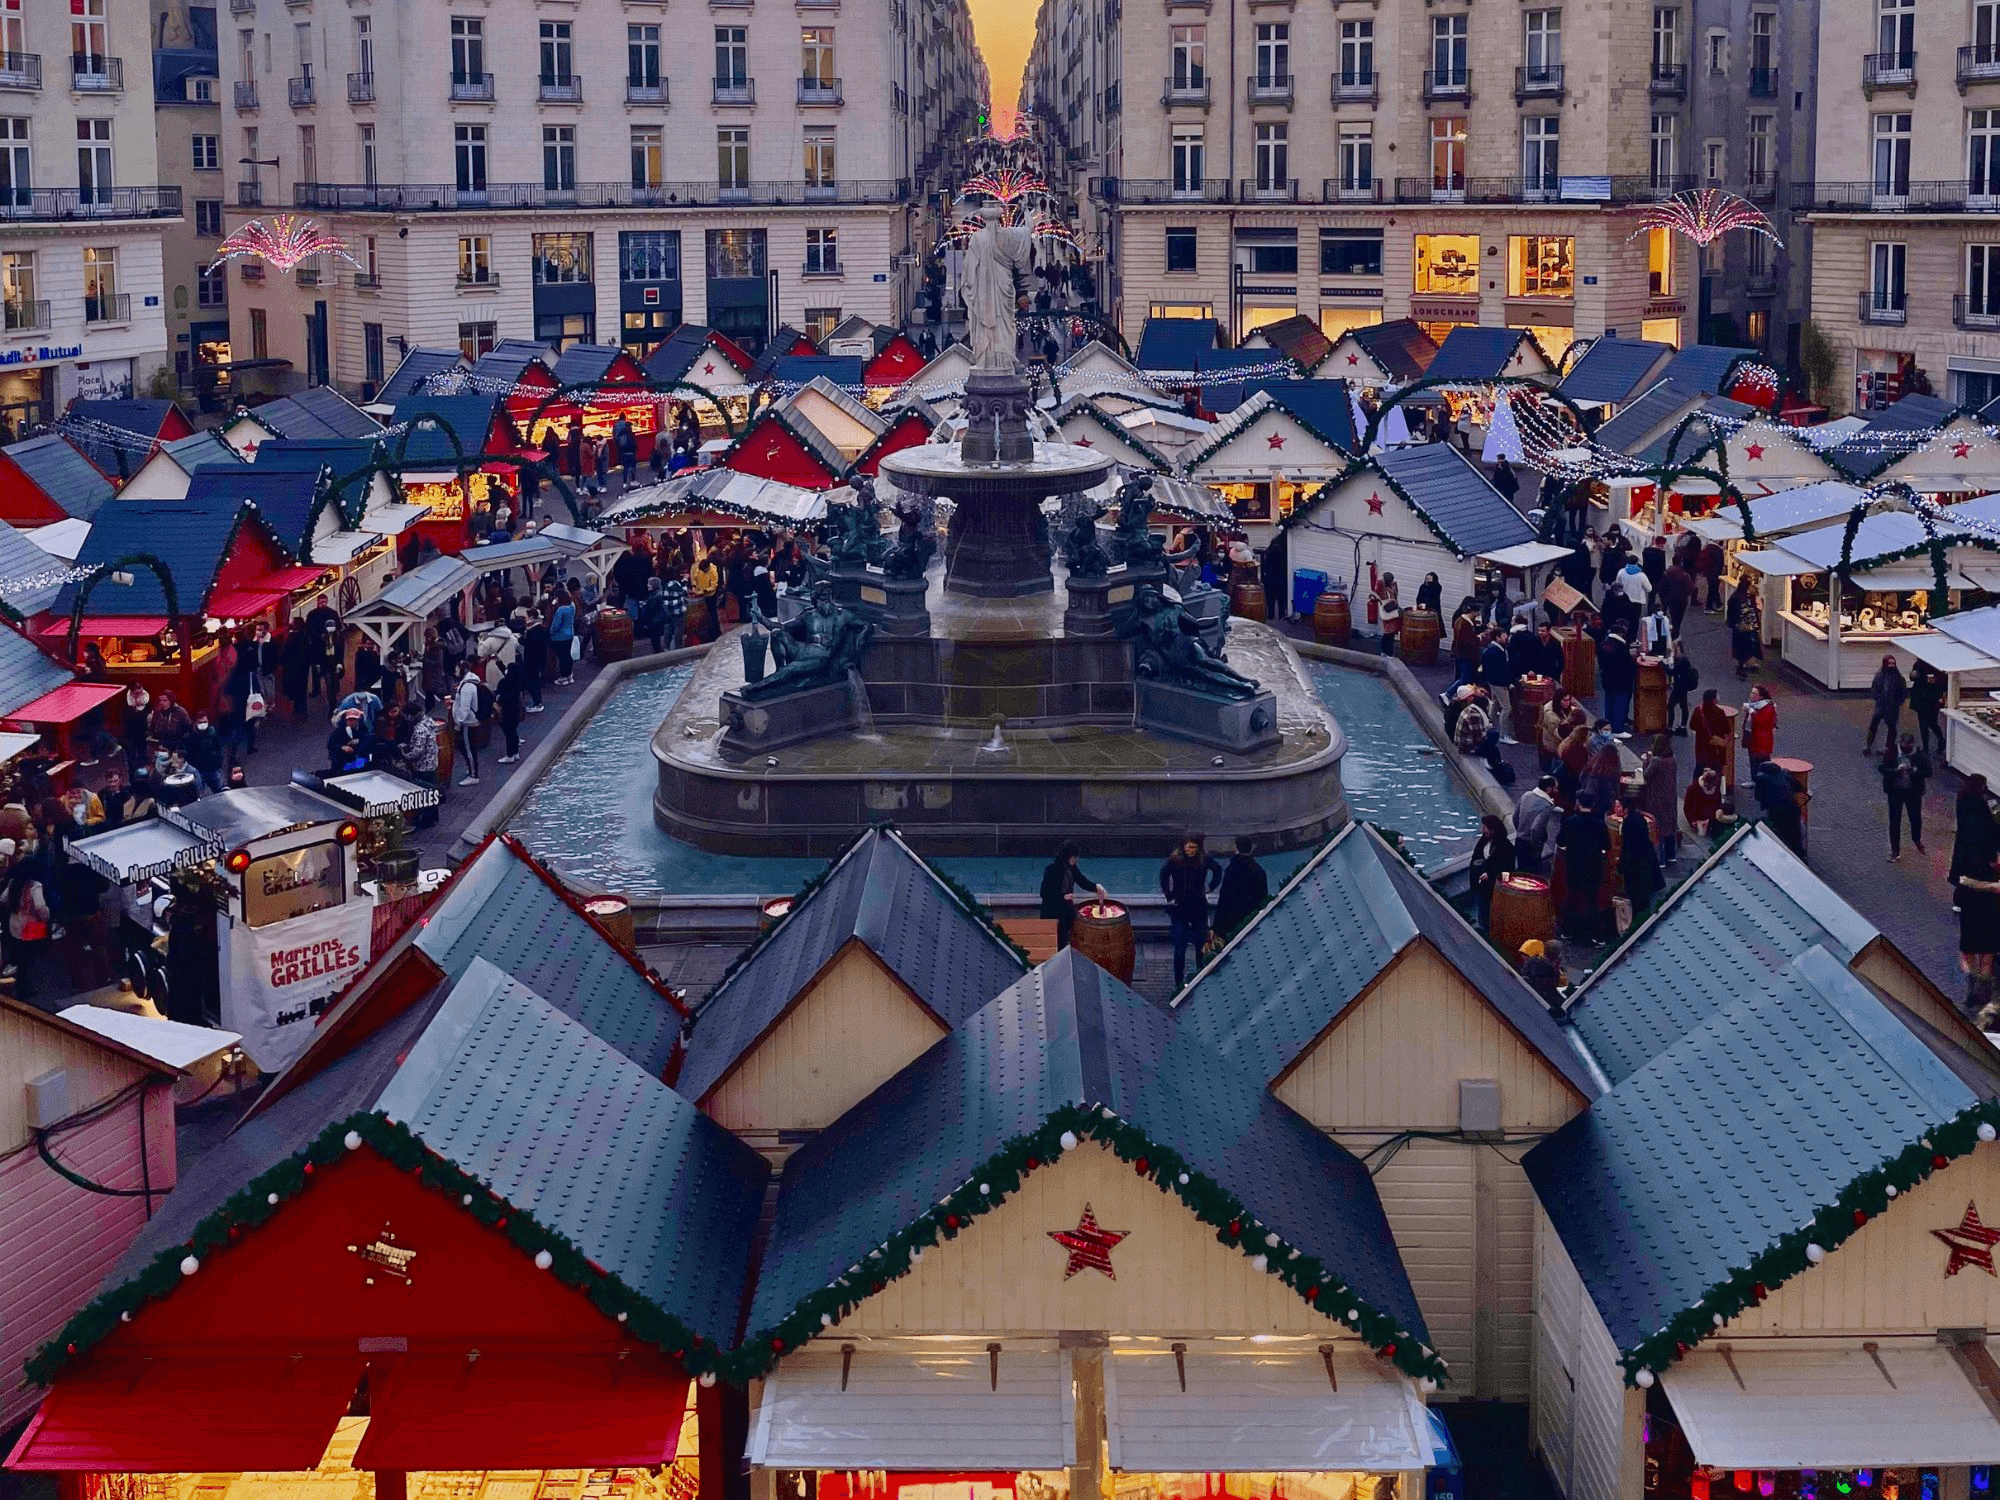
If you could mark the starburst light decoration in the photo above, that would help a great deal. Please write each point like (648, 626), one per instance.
(285, 241)
(1006, 185)
(1705, 216)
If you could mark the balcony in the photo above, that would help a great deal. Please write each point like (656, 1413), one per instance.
(300, 92)
(1360, 190)
(1761, 284)
(1457, 188)
(1268, 190)
(243, 7)
(820, 91)
(1447, 83)
(1888, 70)
(1543, 82)
(249, 195)
(1269, 88)
(1978, 314)
(25, 204)
(252, 271)
(1894, 196)
(1144, 190)
(821, 270)
(109, 307)
(1669, 81)
(566, 90)
(478, 281)
(1761, 187)
(306, 277)
(1763, 83)
(368, 281)
(646, 93)
(1884, 306)
(472, 88)
(1979, 64)
(25, 316)
(1357, 86)
(20, 71)
(360, 88)
(90, 74)
(733, 91)
(403, 198)
(246, 93)
(1186, 90)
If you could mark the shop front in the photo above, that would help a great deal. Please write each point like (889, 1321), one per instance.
(27, 400)
(457, 504)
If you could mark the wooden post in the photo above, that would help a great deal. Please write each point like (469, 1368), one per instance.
(391, 1484)
(722, 1416)
(1090, 1475)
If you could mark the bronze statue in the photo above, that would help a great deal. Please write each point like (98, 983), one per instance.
(854, 532)
(1166, 640)
(1081, 552)
(817, 649)
(1134, 543)
(911, 555)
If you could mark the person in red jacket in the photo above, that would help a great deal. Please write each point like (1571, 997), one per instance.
(1760, 727)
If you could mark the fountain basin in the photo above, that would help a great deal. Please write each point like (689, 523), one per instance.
(999, 542)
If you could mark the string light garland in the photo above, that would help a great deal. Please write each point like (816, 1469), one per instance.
(1704, 216)
(286, 241)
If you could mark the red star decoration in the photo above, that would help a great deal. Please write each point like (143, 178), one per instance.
(1971, 1243)
(1755, 450)
(1089, 1246)
(1275, 440)
(1375, 505)
(1961, 450)
(1354, 359)
(708, 369)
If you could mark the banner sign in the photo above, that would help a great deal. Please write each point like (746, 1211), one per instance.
(276, 980)
(279, 887)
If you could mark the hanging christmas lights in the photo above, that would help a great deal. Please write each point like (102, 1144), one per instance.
(1705, 215)
(286, 241)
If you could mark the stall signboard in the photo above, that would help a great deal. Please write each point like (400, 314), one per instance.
(276, 980)
(278, 887)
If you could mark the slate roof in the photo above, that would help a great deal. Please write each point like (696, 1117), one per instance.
(342, 458)
(1749, 911)
(1068, 1034)
(1400, 346)
(816, 442)
(1176, 343)
(598, 1151)
(1323, 407)
(200, 448)
(1797, 1083)
(318, 411)
(470, 416)
(20, 558)
(1299, 339)
(174, 66)
(1465, 512)
(505, 363)
(1714, 421)
(191, 536)
(136, 416)
(583, 364)
(1475, 352)
(883, 896)
(292, 483)
(780, 344)
(677, 353)
(1614, 369)
(1331, 930)
(414, 373)
(26, 672)
(841, 369)
(502, 907)
(1859, 457)
(1707, 368)
(1662, 405)
(59, 470)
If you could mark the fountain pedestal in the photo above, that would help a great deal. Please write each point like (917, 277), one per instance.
(756, 728)
(895, 606)
(1098, 606)
(1238, 725)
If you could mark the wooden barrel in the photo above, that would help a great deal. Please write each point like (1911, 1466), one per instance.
(1532, 694)
(1649, 703)
(614, 635)
(694, 627)
(1521, 910)
(1103, 934)
(773, 912)
(1579, 661)
(1422, 630)
(614, 915)
(1333, 619)
(1246, 601)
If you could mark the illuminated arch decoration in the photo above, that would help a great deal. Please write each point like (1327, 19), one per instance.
(1705, 215)
(286, 241)
(152, 565)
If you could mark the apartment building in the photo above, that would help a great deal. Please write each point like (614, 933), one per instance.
(81, 207)
(1905, 205)
(584, 170)
(187, 111)
(1450, 162)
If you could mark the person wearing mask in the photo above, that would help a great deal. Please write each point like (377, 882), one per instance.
(1619, 672)
(1906, 772)
(1430, 595)
(1492, 858)
(1886, 690)
(1585, 843)
(1603, 769)
(1244, 890)
(1639, 865)
(465, 718)
(322, 631)
(205, 753)
(169, 725)
(1659, 795)
(1537, 821)
(1064, 886)
(1186, 879)
(1703, 801)
(1746, 626)
(562, 639)
(1682, 680)
(1760, 727)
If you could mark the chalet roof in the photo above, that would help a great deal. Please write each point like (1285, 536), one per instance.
(142, 417)
(21, 559)
(678, 352)
(883, 895)
(190, 536)
(820, 386)
(1708, 368)
(839, 369)
(1176, 343)
(1325, 408)
(1069, 1048)
(1299, 339)
(804, 432)
(1451, 497)
(1714, 421)
(500, 368)
(205, 446)
(1865, 454)
(1657, 409)
(1613, 370)
(288, 494)
(348, 459)
(318, 411)
(585, 364)
(26, 672)
(1476, 352)
(414, 373)
(1400, 346)
(1332, 929)
(784, 342)
(59, 470)
(469, 416)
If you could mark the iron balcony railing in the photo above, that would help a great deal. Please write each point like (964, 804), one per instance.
(368, 281)
(1761, 186)
(1881, 305)
(91, 74)
(1888, 70)
(1185, 89)
(1763, 83)
(1142, 190)
(472, 87)
(820, 91)
(246, 93)
(20, 70)
(1539, 83)
(1269, 88)
(638, 92)
(1358, 190)
(1268, 190)
(821, 268)
(108, 307)
(1979, 313)
(1669, 81)
(1899, 196)
(1447, 83)
(300, 91)
(360, 88)
(1979, 63)
(249, 195)
(567, 90)
(732, 91)
(251, 270)
(445, 198)
(483, 281)
(1357, 86)
(19, 204)
(25, 315)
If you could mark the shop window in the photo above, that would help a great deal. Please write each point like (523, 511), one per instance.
(819, 323)
(1181, 250)
(1180, 309)
(260, 334)
(1660, 262)
(1350, 252)
(649, 255)
(1254, 318)
(1269, 260)
(562, 259)
(564, 329)
(474, 339)
(1757, 325)
(1553, 342)
(1447, 265)
(1334, 321)
(1661, 331)
(1541, 265)
(1437, 333)
(736, 253)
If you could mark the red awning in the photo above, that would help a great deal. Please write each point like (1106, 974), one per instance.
(69, 702)
(564, 1411)
(284, 580)
(107, 625)
(242, 604)
(190, 1414)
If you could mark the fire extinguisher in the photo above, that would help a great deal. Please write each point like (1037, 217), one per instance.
(1374, 609)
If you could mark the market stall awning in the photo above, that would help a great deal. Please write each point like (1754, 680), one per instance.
(1831, 1408)
(1526, 554)
(63, 539)
(376, 794)
(171, 1044)
(139, 851)
(106, 625)
(1944, 653)
(342, 547)
(933, 1408)
(1256, 1409)
(298, 576)
(190, 1414)
(1775, 563)
(394, 520)
(13, 744)
(510, 1411)
(66, 704)
(528, 552)
(1977, 628)
(241, 604)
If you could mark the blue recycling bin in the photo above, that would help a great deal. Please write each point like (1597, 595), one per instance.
(1445, 1478)
(1307, 585)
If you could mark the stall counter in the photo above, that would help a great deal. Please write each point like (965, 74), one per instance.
(1851, 662)
(1972, 740)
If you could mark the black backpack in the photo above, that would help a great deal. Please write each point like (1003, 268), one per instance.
(486, 703)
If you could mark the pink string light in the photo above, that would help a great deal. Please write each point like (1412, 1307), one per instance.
(1705, 216)
(286, 241)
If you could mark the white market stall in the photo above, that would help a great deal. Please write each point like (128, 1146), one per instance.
(1772, 518)
(408, 603)
(1966, 648)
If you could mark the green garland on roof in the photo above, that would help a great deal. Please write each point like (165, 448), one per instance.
(1857, 1203)
(258, 1200)
(1001, 1174)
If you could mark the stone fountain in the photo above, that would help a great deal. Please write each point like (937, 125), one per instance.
(1124, 714)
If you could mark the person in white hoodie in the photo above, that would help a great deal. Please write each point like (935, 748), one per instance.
(464, 719)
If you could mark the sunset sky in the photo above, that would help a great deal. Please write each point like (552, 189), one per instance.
(1006, 30)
